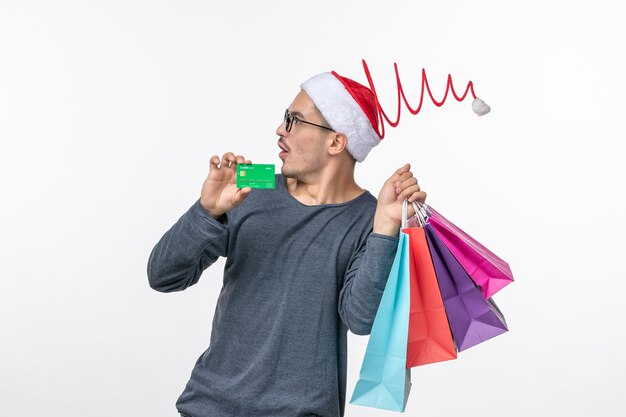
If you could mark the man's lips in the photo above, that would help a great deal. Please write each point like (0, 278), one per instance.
(283, 147)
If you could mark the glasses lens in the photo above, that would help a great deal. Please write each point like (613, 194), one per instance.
(288, 121)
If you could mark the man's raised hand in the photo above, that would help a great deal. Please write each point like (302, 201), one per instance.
(219, 192)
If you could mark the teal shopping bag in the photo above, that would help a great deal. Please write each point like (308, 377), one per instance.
(385, 381)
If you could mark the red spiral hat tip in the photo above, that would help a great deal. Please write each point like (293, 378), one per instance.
(478, 106)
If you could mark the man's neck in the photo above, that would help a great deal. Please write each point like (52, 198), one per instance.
(326, 187)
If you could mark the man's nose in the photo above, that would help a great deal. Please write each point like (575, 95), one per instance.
(280, 130)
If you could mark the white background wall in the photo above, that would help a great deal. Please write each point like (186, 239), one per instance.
(110, 111)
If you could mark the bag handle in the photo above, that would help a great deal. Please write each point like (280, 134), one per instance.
(421, 213)
(423, 207)
(405, 210)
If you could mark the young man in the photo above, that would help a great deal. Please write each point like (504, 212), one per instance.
(306, 261)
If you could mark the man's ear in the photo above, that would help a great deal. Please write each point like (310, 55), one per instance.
(339, 142)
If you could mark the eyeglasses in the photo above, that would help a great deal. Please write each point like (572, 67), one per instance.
(290, 119)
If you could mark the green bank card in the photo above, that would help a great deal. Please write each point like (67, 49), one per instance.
(255, 176)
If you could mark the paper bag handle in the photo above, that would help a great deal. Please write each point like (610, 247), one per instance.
(405, 210)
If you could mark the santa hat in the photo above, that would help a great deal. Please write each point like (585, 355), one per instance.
(349, 108)
(353, 109)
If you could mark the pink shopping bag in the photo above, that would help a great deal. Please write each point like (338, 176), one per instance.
(487, 270)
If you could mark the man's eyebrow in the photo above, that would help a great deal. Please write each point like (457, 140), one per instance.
(296, 113)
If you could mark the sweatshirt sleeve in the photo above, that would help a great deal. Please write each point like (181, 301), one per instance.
(365, 282)
(189, 247)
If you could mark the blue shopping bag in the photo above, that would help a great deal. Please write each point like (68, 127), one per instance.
(385, 381)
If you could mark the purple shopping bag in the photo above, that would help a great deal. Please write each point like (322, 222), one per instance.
(472, 318)
(485, 268)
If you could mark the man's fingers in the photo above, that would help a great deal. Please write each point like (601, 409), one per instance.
(404, 176)
(402, 169)
(241, 194)
(402, 179)
(408, 183)
(408, 191)
(406, 186)
(214, 163)
(420, 196)
(396, 175)
(416, 196)
(227, 159)
(400, 186)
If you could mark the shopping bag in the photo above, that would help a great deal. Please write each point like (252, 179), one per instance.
(485, 268)
(473, 319)
(384, 381)
(429, 339)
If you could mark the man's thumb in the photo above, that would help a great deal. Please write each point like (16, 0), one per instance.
(242, 194)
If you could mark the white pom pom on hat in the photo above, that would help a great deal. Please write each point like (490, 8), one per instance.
(353, 109)
(480, 107)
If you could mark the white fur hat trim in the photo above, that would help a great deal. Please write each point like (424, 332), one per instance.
(342, 113)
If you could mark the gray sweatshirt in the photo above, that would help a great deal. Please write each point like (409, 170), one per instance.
(296, 279)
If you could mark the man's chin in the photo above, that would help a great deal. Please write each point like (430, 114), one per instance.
(285, 172)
